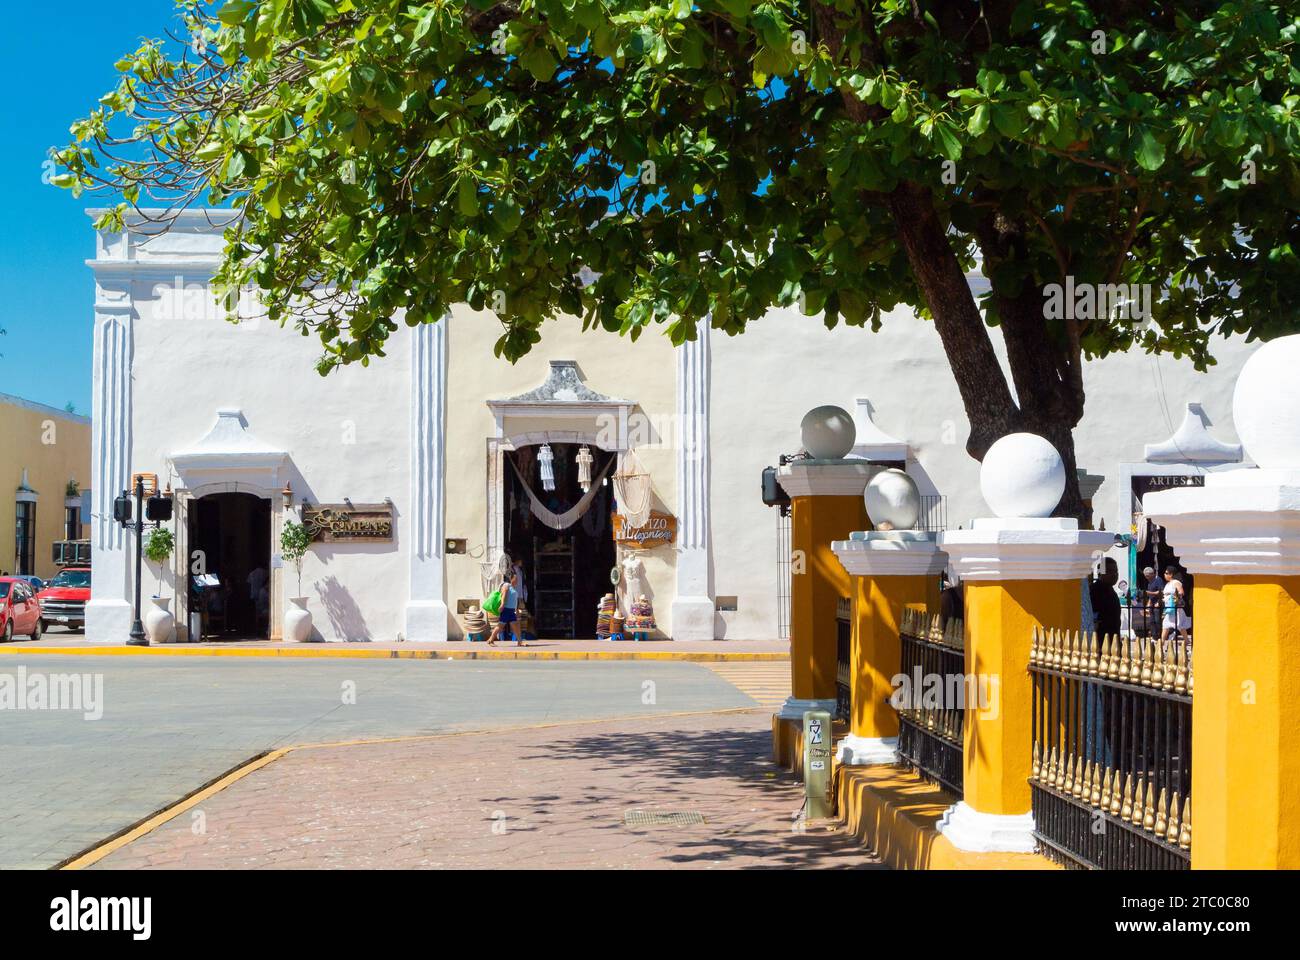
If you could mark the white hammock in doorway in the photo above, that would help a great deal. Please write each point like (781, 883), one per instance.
(561, 521)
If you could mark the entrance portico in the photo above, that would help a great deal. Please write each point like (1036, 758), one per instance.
(229, 460)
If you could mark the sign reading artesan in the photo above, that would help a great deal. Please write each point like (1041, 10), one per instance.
(657, 531)
(349, 523)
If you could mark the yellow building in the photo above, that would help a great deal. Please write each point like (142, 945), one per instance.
(44, 468)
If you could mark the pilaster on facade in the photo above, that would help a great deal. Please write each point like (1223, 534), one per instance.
(426, 608)
(693, 609)
(108, 616)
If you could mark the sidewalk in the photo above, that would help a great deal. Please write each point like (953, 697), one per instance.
(682, 792)
(697, 651)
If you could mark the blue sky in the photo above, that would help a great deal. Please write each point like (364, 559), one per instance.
(59, 59)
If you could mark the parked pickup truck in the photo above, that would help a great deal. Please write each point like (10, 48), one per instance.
(63, 601)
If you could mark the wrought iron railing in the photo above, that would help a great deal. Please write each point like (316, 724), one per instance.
(1112, 751)
(843, 658)
(934, 514)
(931, 700)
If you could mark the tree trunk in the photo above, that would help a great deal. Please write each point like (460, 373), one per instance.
(1045, 406)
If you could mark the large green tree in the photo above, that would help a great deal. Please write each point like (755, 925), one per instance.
(723, 156)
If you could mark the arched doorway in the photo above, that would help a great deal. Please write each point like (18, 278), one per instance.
(229, 574)
(566, 569)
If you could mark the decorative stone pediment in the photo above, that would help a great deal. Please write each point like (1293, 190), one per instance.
(230, 454)
(1192, 443)
(564, 384)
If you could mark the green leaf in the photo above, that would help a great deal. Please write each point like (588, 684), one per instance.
(235, 12)
(467, 197)
(506, 214)
(979, 120)
(539, 61)
(1150, 151)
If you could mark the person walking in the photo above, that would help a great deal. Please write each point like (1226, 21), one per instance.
(1174, 600)
(508, 617)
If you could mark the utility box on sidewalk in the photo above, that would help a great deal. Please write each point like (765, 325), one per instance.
(817, 764)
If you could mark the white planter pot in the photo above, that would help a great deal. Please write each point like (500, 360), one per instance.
(159, 624)
(297, 621)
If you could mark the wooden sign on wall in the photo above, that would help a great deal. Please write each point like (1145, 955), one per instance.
(349, 523)
(658, 531)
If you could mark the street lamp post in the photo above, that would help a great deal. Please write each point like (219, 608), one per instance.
(137, 638)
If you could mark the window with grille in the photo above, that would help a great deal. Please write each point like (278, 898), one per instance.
(24, 537)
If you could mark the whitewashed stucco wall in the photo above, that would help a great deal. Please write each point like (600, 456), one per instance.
(349, 434)
(641, 373)
(785, 364)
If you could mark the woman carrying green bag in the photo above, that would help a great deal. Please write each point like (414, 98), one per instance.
(507, 618)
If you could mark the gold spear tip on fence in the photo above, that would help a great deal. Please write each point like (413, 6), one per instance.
(1126, 808)
(1038, 762)
(1147, 659)
(1185, 831)
(1116, 802)
(1171, 832)
(1162, 819)
(1103, 801)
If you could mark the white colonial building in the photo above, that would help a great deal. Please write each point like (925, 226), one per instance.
(437, 457)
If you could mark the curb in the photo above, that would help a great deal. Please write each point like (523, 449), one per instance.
(322, 651)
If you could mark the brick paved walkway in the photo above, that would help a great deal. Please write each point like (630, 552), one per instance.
(537, 798)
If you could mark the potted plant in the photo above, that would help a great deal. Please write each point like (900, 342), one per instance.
(159, 623)
(294, 544)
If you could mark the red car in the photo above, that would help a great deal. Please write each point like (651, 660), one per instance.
(20, 611)
(63, 601)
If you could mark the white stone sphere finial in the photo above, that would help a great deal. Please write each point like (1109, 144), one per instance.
(1022, 476)
(893, 500)
(1266, 405)
(828, 432)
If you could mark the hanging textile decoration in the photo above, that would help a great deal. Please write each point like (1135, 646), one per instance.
(584, 468)
(560, 521)
(546, 463)
(632, 487)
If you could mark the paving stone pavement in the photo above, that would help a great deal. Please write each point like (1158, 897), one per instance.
(171, 724)
(539, 798)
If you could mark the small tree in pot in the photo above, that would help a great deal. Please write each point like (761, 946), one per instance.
(295, 541)
(158, 549)
(159, 623)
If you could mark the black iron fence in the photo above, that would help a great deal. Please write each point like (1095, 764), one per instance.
(843, 658)
(931, 699)
(1112, 751)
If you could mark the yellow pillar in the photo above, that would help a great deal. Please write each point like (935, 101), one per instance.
(1018, 573)
(826, 505)
(1240, 537)
(1246, 723)
(1000, 618)
(892, 570)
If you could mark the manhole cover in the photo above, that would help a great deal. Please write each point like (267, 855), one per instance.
(662, 818)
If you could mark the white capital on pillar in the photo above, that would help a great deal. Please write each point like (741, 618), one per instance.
(891, 553)
(108, 614)
(1024, 548)
(693, 607)
(426, 610)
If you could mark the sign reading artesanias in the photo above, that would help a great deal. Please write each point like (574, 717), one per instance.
(349, 523)
(657, 531)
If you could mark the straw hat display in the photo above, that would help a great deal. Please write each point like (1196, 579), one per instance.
(474, 620)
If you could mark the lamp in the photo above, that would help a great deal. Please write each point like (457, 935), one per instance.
(287, 494)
